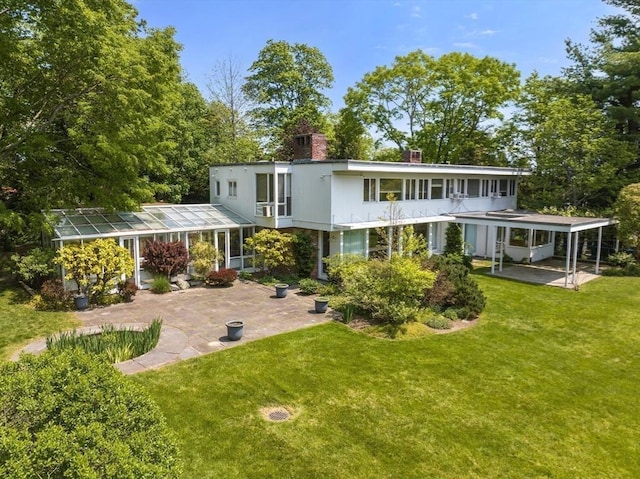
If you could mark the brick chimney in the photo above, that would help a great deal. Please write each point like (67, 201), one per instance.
(311, 146)
(412, 156)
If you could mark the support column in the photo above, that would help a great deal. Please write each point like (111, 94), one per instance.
(575, 257)
(599, 250)
(341, 244)
(494, 237)
(366, 243)
(389, 241)
(504, 234)
(400, 245)
(568, 262)
(430, 238)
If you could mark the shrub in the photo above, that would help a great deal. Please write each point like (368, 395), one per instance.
(53, 297)
(630, 270)
(36, 267)
(161, 285)
(438, 322)
(127, 290)
(203, 257)
(273, 251)
(115, 344)
(453, 239)
(224, 277)
(165, 258)
(451, 314)
(390, 291)
(309, 286)
(245, 275)
(101, 259)
(68, 414)
(621, 259)
(303, 253)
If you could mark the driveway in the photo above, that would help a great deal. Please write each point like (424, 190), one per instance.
(194, 320)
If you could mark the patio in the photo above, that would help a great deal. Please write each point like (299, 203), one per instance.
(550, 272)
(194, 320)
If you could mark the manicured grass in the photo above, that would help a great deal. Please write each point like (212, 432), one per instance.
(19, 323)
(547, 385)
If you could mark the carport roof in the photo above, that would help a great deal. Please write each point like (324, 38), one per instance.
(91, 223)
(530, 220)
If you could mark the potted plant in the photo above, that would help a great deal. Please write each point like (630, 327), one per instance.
(321, 304)
(235, 329)
(281, 290)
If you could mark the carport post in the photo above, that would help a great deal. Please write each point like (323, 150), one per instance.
(504, 232)
(599, 248)
(575, 257)
(493, 250)
(568, 263)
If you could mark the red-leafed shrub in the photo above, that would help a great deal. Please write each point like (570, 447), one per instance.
(224, 277)
(165, 259)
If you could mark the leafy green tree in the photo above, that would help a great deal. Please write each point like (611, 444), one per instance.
(286, 85)
(351, 138)
(273, 250)
(304, 253)
(203, 257)
(96, 266)
(627, 209)
(442, 106)
(571, 147)
(68, 414)
(35, 267)
(85, 96)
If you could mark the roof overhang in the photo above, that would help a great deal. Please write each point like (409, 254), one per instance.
(528, 220)
(383, 223)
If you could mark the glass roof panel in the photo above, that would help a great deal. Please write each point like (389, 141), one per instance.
(95, 219)
(66, 231)
(105, 228)
(86, 230)
(78, 220)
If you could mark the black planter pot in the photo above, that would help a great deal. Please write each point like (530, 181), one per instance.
(81, 302)
(321, 305)
(235, 329)
(281, 290)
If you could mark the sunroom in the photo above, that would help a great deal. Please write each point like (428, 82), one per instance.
(214, 224)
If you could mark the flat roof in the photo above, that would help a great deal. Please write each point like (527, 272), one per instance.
(528, 219)
(381, 222)
(91, 223)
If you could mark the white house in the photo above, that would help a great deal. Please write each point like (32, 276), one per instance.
(343, 204)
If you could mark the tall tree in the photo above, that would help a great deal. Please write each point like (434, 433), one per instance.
(85, 90)
(628, 213)
(351, 138)
(443, 106)
(570, 145)
(286, 85)
(230, 106)
(609, 71)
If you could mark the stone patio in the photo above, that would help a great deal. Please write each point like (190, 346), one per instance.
(194, 320)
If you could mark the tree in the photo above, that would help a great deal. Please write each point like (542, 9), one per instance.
(453, 240)
(68, 414)
(85, 94)
(571, 147)
(627, 209)
(96, 266)
(235, 140)
(272, 249)
(286, 85)
(351, 138)
(165, 258)
(444, 107)
(609, 72)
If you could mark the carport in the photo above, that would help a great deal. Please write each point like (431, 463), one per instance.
(571, 225)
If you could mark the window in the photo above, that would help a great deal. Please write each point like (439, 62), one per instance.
(512, 187)
(504, 188)
(216, 190)
(437, 189)
(519, 237)
(410, 187)
(461, 186)
(233, 188)
(390, 188)
(485, 188)
(234, 243)
(370, 189)
(473, 188)
(264, 187)
(284, 194)
(423, 189)
(541, 238)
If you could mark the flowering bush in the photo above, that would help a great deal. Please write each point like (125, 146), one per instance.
(224, 277)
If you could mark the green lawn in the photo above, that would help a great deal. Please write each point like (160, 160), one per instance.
(547, 385)
(19, 323)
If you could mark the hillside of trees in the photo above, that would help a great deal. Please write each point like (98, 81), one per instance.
(95, 111)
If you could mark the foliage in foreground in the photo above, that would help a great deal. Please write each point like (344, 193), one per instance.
(165, 258)
(273, 251)
(35, 267)
(115, 344)
(67, 414)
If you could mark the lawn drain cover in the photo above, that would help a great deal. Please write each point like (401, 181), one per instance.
(276, 414)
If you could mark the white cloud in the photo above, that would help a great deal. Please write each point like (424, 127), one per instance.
(415, 12)
(473, 16)
(488, 32)
(465, 45)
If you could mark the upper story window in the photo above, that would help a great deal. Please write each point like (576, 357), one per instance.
(473, 188)
(216, 189)
(369, 189)
(410, 189)
(390, 188)
(284, 194)
(233, 188)
(437, 189)
(264, 188)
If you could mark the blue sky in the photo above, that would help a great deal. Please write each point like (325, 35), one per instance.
(357, 35)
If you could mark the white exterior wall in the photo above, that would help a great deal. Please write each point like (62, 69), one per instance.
(311, 195)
